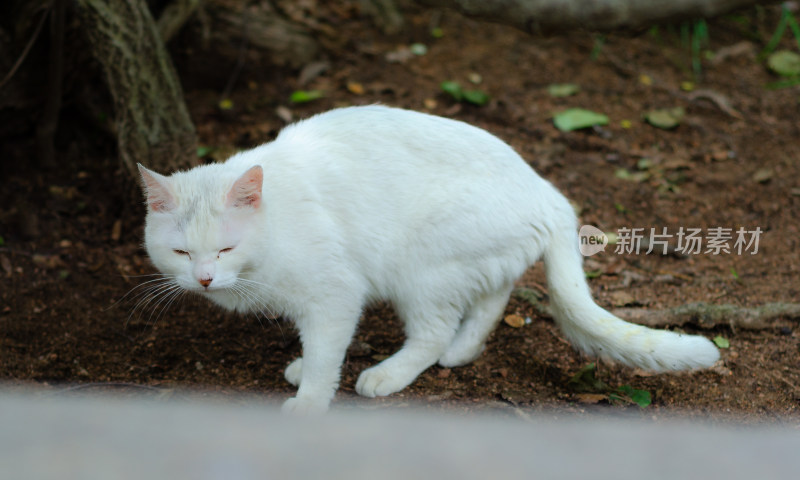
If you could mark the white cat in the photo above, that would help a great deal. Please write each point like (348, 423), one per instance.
(375, 203)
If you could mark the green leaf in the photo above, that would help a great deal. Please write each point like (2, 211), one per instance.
(203, 151)
(644, 164)
(453, 89)
(563, 89)
(225, 104)
(577, 118)
(476, 97)
(666, 118)
(785, 63)
(638, 177)
(593, 274)
(639, 397)
(783, 84)
(721, 342)
(304, 96)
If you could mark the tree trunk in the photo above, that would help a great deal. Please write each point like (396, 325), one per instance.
(549, 16)
(151, 119)
(174, 16)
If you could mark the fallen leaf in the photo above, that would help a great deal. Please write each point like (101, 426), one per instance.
(721, 342)
(559, 90)
(785, 63)
(304, 96)
(624, 174)
(47, 261)
(453, 89)
(721, 155)
(312, 71)
(591, 398)
(284, 114)
(577, 118)
(514, 321)
(355, 88)
(401, 55)
(6, 264)
(621, 298)
(418, 49)
(476, 97)
(665, 118)
(116, 230)
(763, 175)
(475, 78)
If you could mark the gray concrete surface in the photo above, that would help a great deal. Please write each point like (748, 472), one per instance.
(101, 437)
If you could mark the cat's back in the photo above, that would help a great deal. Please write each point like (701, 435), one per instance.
(398, 137)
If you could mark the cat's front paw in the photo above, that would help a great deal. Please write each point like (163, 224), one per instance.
(294, 372)
(304, 406)
(380, 381)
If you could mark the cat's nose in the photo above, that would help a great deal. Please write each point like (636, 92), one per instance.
(205, 281)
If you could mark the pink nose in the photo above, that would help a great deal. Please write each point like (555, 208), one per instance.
(205, 281)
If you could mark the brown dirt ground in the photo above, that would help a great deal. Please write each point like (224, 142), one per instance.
(72, 235)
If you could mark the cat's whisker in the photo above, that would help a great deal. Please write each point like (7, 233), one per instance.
(245, 291)
(269, 288)
(160, 277)
(174, 295)
(144, 296)
(155, 293)
(159, 300)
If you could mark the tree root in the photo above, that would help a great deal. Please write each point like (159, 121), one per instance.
(700, 314)
(551, 16)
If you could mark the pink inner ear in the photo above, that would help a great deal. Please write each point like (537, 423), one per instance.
(246, 191)
(159, 198)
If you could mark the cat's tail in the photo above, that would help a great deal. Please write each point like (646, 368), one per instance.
(595, 331)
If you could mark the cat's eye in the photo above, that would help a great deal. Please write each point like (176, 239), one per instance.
(224, 250)
(181, 252)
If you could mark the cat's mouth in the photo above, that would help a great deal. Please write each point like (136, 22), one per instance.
(209, 289)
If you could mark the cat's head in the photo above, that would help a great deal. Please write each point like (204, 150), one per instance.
(200, 223)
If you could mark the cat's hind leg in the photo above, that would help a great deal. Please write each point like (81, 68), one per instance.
(479, 322)
(429, 330)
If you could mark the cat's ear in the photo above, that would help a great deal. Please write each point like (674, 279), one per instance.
(159, 197)
(246, 191)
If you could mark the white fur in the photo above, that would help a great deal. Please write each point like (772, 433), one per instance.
(374, 203)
